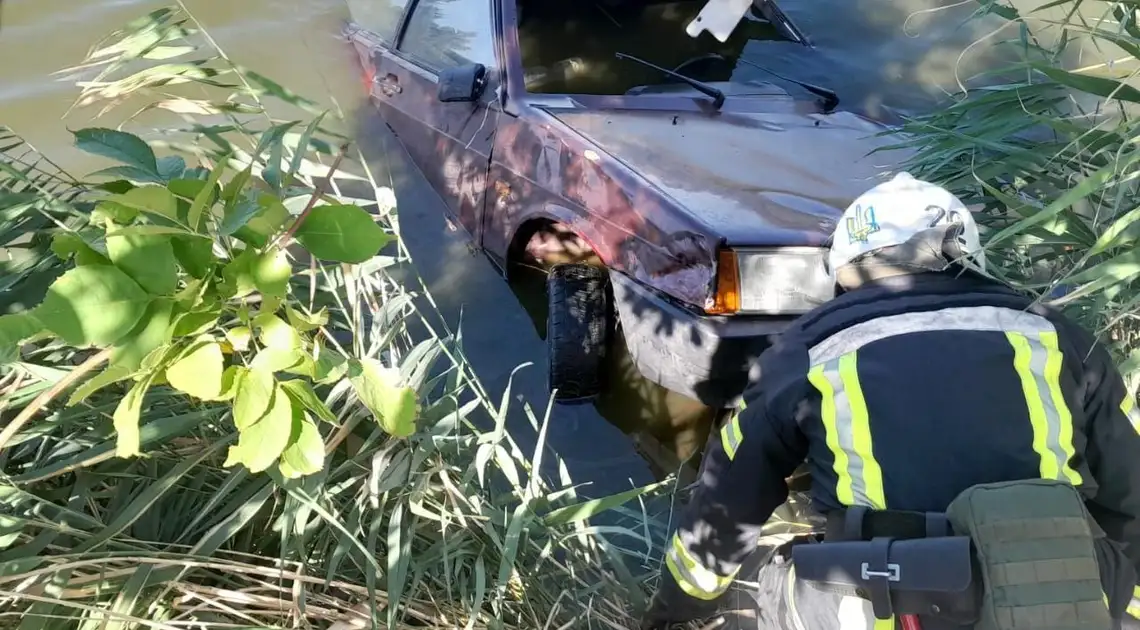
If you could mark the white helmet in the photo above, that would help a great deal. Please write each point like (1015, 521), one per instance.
(893, 213)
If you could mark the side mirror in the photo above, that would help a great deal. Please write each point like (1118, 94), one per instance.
(462, 84)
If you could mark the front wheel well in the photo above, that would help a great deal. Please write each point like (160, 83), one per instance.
(543, 243)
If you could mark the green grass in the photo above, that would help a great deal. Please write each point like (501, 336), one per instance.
(447, 528)
(1050, 159)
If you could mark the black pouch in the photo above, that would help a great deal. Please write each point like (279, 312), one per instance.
(923, 576)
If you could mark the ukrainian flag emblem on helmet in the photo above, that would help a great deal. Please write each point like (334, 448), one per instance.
(861, 224)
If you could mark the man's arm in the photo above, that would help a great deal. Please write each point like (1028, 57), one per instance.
(742, 483)
(1113, 455)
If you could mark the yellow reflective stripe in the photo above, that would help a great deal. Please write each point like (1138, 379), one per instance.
(847, 426)
(885, 624)
(861, 431)
(691, 576)
(1130, 411)
(818, 379)
(1134, 608)
(730, 436)
(1038, 360)
(1134, 604)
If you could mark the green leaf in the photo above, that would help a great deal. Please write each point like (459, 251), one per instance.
(148, 230)
(14, 329)
(117, 145)
(129, 174)
(147, 259)
(199, 372)
(1085, 188)
(330, 367)
(238, 273)
(92, 305)
(67, 244)
(343, 233)
(153, 200)
(171, 167)
(157, 360)
(271, 272)
(126, 418)
(1100, 86)
(267, 219)
(195, 322)
(587, 509)
(303, 147)
(254, 393)
(230, 378)
(239, 212)
(305, 322)
(151, 332)
(187, 189)
(305, 452)
(379, 388)
(234, 191)
(275, 333)
(263, 441)
(276, 359)
(305, 366)
(195, 254)
(207, 196)
(109, 214)
(239, 338)
(111, 375)
(302, 394)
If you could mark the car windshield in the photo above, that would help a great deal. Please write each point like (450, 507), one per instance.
(569, 47)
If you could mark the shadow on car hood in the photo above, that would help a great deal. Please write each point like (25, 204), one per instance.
(771, 178)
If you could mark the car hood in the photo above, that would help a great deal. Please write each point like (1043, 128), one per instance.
(754, 178)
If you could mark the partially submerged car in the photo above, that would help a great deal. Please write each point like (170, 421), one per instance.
(600, 141)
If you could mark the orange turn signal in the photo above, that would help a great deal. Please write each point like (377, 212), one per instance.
(727, 299)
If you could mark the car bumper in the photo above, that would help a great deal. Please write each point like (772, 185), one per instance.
(711, 359)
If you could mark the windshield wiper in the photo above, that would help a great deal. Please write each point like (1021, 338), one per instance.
(716, 95)
(776, 17)
(830, 98)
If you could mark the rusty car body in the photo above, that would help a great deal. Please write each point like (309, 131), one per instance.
(710, 221)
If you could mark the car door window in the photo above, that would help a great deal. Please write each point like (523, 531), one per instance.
(448, 33)
(381, 17)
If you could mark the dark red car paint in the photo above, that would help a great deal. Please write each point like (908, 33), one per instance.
(513, 158)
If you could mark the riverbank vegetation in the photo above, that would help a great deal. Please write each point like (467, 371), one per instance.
(221, 409)
(1049, 153)
(228, 402)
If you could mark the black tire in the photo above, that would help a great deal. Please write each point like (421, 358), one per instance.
(578, 331)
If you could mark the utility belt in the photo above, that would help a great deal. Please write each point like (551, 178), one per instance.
(1003, 556)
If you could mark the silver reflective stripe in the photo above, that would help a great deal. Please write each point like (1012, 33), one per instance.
(855, 613)
(976, 318)
(1038, 361)
(845, 421)
(790, 597)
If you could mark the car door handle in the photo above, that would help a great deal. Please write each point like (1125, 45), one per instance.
(389, 85)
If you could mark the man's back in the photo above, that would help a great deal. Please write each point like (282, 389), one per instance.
(921, 383)
(909, 392)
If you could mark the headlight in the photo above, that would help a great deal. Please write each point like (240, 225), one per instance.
(780, 281)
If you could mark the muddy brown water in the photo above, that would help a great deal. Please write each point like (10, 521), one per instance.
(879, 55)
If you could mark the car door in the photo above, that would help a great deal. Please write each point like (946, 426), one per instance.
(450, 142)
